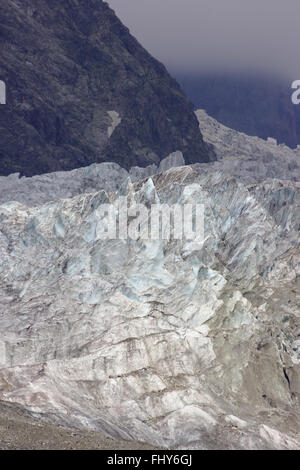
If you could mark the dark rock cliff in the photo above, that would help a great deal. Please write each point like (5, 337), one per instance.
(66, 66)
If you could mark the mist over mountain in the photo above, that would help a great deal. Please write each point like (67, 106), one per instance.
(203, 36)
(256, 105)
(81, 89)
(235, 59)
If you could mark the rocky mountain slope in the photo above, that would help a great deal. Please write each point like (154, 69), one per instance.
(156, 340)
(81, 89)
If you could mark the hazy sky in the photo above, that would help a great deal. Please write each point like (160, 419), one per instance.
(217, 34)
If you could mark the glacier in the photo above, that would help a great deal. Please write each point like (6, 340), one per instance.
(152, 340)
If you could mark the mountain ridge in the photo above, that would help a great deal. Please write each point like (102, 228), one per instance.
(81, 89)
(258, 105)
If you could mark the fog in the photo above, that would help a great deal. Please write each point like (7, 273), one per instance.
(217, 35)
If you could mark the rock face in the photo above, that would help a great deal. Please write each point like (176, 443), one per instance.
(156, 340)
(80, 89)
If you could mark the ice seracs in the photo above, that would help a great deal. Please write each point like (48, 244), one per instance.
(250, 159)
(149, 340)
(108, 176)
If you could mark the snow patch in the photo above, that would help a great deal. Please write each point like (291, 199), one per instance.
(116, 120)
